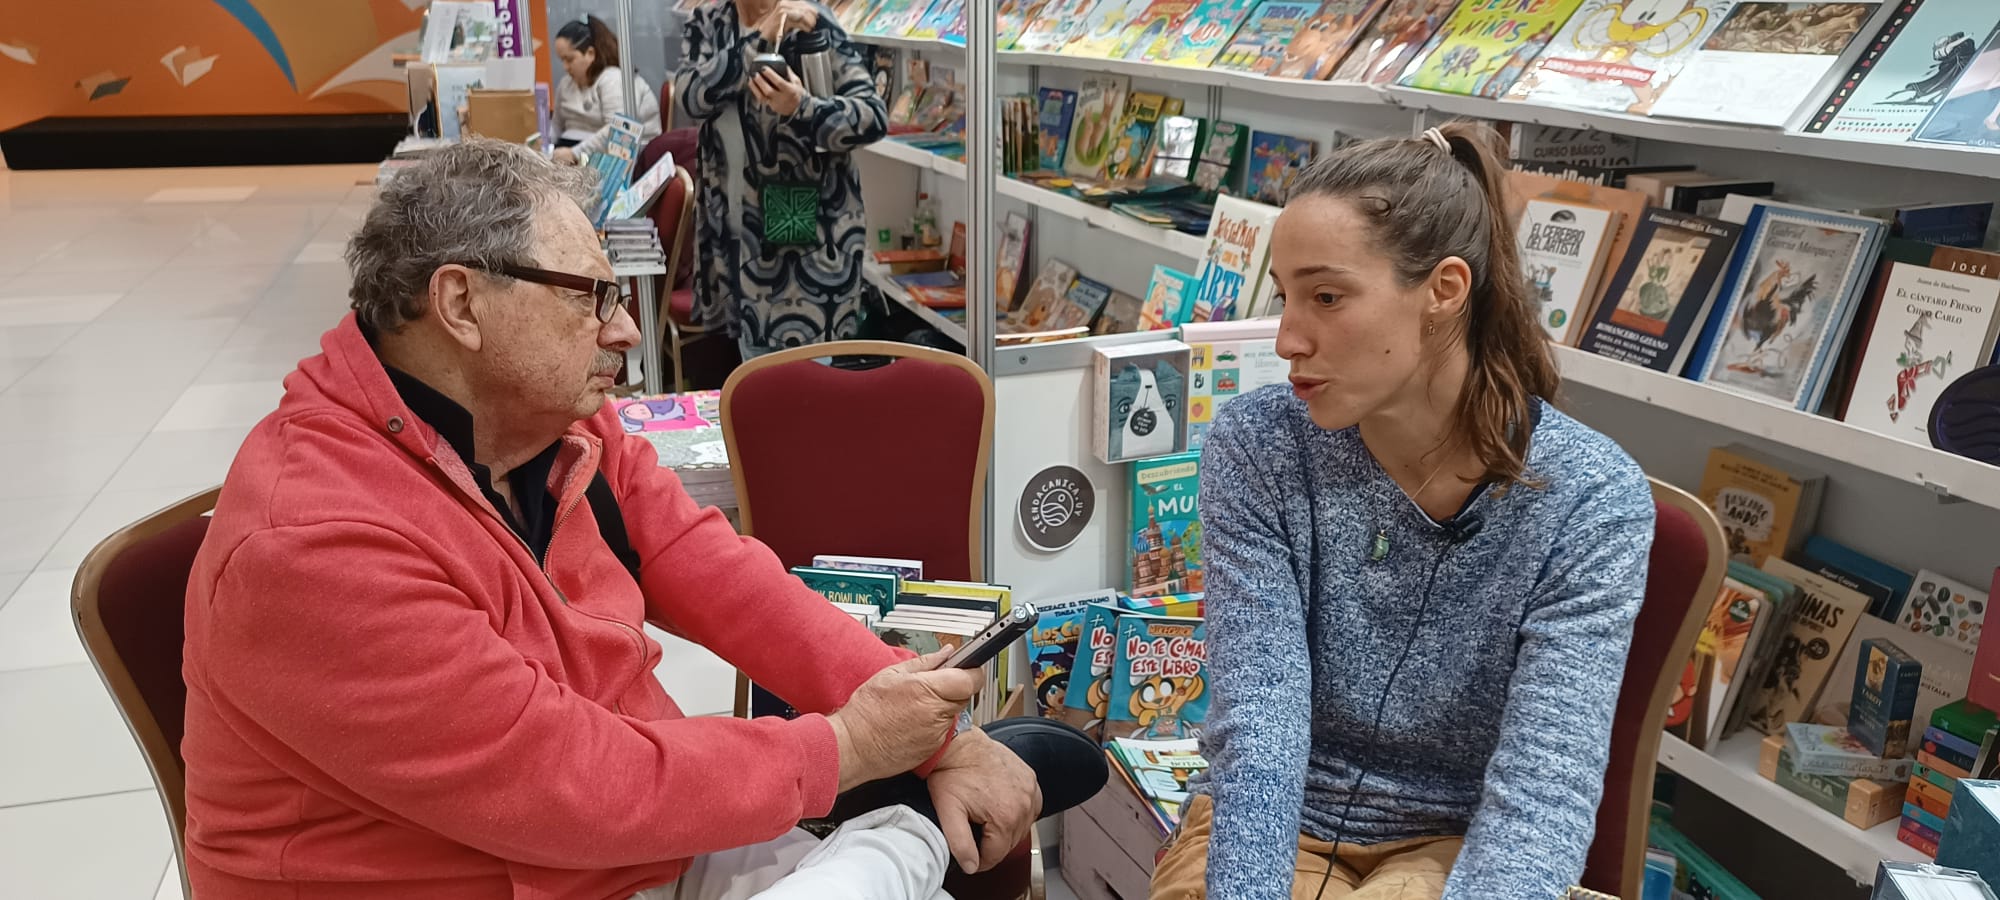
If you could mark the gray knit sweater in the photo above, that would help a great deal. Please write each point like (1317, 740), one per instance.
(1490, 647)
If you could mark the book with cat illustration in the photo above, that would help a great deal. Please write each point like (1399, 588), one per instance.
(1139, 400)
(1662, 291)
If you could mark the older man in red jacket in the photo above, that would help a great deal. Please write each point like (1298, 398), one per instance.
(414, 658)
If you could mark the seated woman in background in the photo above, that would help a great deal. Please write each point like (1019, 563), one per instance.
(593, 90)
(1421, 576)
(781, 225)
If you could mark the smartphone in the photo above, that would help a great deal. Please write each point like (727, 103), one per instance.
(997, 637)
(763, 61)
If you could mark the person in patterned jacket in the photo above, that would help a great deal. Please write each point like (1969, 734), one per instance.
(780, 227)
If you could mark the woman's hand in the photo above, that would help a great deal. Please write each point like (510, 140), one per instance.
(564, 155)
(786, 17)
(782, 93)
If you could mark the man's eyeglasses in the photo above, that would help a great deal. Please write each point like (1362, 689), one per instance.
(607, 293)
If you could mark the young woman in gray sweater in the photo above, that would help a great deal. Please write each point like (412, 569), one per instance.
(1421, 576)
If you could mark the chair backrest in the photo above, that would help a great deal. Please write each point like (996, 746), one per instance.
(882, 461)
(128, 601)
(673, 216)
(1683, 574)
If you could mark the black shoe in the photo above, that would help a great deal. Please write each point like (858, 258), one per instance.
(1068, 766)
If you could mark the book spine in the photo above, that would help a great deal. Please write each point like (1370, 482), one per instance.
(1924, 795)
(1923, 772)
(1842, 765)
(1941, 767)
(1920, 816)
(1915, 835)
(1825, 792)
(1951, 749)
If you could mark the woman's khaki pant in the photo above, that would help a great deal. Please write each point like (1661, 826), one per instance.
(1414, 869)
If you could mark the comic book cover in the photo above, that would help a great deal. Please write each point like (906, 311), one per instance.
(1260, 44)
(1205, 32)
(1276, 162)
(1086, 698)
(1014, 18)
(1052, 646)
(1315, 52)
(1152, 32)
(1618, 55)
(1105, 30)
(1484, 47)
(1397, 36)
(1159, 685)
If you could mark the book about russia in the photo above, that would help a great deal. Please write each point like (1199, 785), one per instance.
(1792, 292)
(1260, 44)
(1934, 317)
(1907, 71)
(1617, 55)
(1398, 35)
(1663, 291)
(1239, 242)
(1164, 549)
(1484, 47)
(1159, 685)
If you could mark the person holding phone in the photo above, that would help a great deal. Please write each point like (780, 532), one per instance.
(781, 224)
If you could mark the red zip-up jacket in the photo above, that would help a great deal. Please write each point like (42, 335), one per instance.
(389, 697)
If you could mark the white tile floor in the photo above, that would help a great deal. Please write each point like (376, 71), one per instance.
(146, 320)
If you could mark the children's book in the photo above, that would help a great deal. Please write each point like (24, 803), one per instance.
(1219, 169)
(1259, 46)
(1132, 149)
(893, 17)
(1562, 254)
(1813, 638)
(1228, 360)
(1484, 47)
(1769, 63)
(1326, 38)
(684, 429)
(1969, 114)
(1205, 32)
(1044, 296)
(1397, 37)
(1618, 56)
(1014, 18)
(943, 16)
(1056, 25)
(1012, 261)
(1100, 106)
(1080, 304)
(1153, 32)
(1057, 111)
(1791, 293)
(1165, 547)
(1276, 162)
(1168, 298)
(1909, 66)
(1139, 400)
(1766, 505)
(1087, 697)
(1175, 141)
(1120, 316)
(1104, 32)
(1239, 242)
(1159, 684)
(1160, 771)
(1052, 646)
(1662, 292)
(1932, 319)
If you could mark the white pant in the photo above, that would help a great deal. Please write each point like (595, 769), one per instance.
(888, 854)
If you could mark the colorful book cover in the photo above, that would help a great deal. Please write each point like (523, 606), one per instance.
(1485, 46)
(1398, 36)
(1152, 32)
(1220, 166)
(1792, 293)
(1051, 283)
(877, 589)
(1104, 31)
(1662, 292)
(1317, 49)
(1276, 162)
(942, 17)
(1831, 750)
(1949, 610)
(1716, 672)
(1239, 242)
(1207, 30)
(1766, 505)
(1225, 370)
(1907, 70)
(1814, 636)
(1969, 114)
(1930, 323)
(1160, 771)
(1014, 18)
(1159, 684)
(1052, 646)
(1562, 253)
(1885, 697)
(1012, 261)
(1053, 28)
(1165, 547)
(1884, 584)
(1100, 106)
(1767, 61)
(1167, 299)
(1617, 55)
(1120, 316)
(1259, 46)
(891, 17)
(1080, 304)
(1139, 400)
(1057, 111)
(1087, 697)
(1132, 151)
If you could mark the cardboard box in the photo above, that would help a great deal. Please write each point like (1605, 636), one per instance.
(1109, 845)
(504, 115)
(1858, 801)
(1139, 401)
(1886, 681)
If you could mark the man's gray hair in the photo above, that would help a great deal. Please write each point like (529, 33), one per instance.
(473, 203)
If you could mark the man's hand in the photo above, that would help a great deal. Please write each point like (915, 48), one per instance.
(981, 782)
(564, 155)
(782, 93)
(899, 717)
(786, 17)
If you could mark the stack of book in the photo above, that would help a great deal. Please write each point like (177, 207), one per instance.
(634, 245)
(1959, 745)
(1159, 772)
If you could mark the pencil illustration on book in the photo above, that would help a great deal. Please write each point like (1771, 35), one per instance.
(1915, 365)
(1669, 267)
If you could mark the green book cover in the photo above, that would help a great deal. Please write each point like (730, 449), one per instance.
(878, 589)
(1962, 719)
(1485, 46)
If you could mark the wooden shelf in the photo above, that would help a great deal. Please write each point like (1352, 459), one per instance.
(879, 277)
(1175, 242)
(1945, 474)
(1730, 772)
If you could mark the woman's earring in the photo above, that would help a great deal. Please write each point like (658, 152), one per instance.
(1430, 327)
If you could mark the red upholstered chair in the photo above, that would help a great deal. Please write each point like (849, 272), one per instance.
(128, 600)
(885, 461)
(673, 215)
(1689, 556)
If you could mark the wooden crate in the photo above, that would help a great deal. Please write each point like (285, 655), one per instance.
(1108, 845)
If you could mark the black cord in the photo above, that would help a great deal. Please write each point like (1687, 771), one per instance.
(1381, 705)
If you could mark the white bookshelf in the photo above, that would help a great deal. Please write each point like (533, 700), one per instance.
(1730, 772)
(879, 277)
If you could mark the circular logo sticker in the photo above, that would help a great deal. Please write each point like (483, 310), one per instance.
(1055, 507)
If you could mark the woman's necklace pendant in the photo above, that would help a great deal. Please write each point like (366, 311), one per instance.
(1381, 550)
